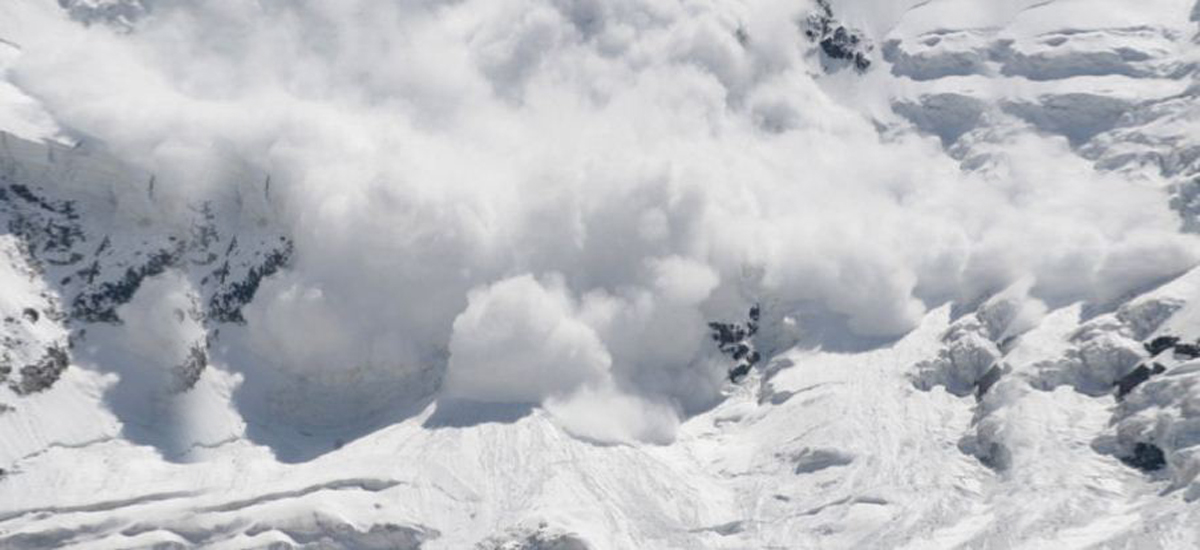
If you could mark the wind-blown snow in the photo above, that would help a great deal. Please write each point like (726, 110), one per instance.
(439, 252)
(426, 151)
(519, 341)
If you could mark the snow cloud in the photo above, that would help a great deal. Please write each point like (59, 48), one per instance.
(546, 200)
(521, 341)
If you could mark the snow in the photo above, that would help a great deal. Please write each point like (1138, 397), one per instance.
(509, 350)
(20, 114)
(845, 453)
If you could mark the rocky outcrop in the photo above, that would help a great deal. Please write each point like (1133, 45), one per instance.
(93, 256)
(737, 341)
(225, 304)
(1156, 426)
(185, 374)
(1145, 457)
(837, 41)
(41, 374)
(1141, 374)
(121, 14)
(33, 340)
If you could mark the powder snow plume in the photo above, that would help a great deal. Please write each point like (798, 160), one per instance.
(542, 198)
(533, 274)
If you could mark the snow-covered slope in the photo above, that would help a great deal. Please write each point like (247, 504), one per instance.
(542, 274)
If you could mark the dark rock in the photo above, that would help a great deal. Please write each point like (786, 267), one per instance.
(24, 193)
(204, 231)
(52, 235)
(1160, 344)
(188, 372)
(1136, 377)
(735, 340)
(988, 380)
(49, 229)
(1146, 457)
(726, 334)
(736, 374)
(845, 44)
(226, 305)
(119, 14)
(99, 305)
(42, 374)
(30, 314)
(836, 40)
(1189, 351)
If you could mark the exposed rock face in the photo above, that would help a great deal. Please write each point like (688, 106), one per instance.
(1160, 344)
(78, 239)
(1157, 348)
(1141, 374)
(737, 341)
(988, 380)
(121, 14)
(1146, 457)
(43, 373)
(188, 372)
(33, 340)
(837, 41)
(225, 304)
(1187, 351)
(101, 278)
(1103, 354)
(99, 304)
(1154, 424)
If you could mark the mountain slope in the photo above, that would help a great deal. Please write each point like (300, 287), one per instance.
(272, 291)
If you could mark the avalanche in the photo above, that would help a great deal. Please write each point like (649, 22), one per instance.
(533, 274)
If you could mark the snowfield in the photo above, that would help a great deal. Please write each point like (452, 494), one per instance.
(570, 274)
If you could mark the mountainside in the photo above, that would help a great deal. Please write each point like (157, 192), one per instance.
(543, 274)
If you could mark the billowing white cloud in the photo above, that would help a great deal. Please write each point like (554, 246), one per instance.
(605, 415)
(521, 341)
(434, 161)
(159, 327)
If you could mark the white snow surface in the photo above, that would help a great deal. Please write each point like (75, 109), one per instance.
(437, 275)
